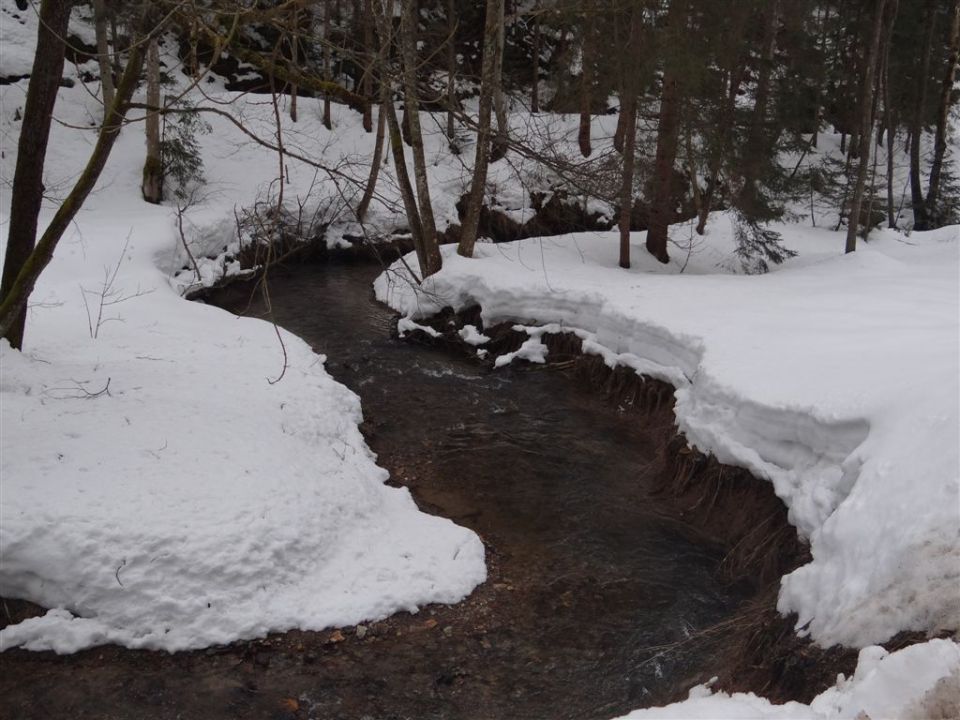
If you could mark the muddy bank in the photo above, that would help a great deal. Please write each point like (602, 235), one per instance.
(615, 575)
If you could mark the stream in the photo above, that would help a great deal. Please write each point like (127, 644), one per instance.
(587, 577)
(597, 591)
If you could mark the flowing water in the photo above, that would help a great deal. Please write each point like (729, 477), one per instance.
(587, 576)
(595, 596)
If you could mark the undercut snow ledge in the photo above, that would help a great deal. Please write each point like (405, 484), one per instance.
(835, 377)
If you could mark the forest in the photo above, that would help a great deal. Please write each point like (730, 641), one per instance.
(480, 358)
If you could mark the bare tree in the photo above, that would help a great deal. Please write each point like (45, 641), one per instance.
(408, 50)
(25, 268)
(884, 10)
(152, 185)
(943, 112)
(488, 82)
(103, 53)
(27, 192)
(668, 127)
(628, 110)
(586, 78)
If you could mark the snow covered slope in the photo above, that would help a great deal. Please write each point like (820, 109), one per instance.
(836, 378)
(921, 682)
(160, 487)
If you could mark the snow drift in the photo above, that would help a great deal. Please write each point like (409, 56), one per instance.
(836, 378)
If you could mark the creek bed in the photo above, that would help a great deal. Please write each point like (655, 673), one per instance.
(598, 593)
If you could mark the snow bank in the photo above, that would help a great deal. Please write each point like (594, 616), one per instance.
(160, 487)
(920, 682)
(835, 377)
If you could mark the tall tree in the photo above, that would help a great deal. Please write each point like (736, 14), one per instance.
(884, 11)
(103, 53)
(668, 128)
(152, 185)
(27, 192)
(917, 201)
(25, 268)
(408, 50)
(629, 110)
(587, 69)
(943, 113)
(488, 83)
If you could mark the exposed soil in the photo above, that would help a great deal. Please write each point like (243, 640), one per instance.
(621, 568)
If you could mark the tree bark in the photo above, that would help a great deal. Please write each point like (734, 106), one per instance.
(499, 148)
(629, 106)
(27, 194)
(586, 80)
(917, 201)
(14, 298)
(327, 60)
(491, 49)
(294, 58)
(535, 85)
(943, 114)
(103, 53)
(368, 71)
(152, 185)
(891, 126)
(408, 48)
(451, 68)
(883, 12)
(757, 148)
(374, 167)
(668, 128)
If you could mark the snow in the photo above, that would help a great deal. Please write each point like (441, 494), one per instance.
(472, 336)
(169, 480)
(405, 325)
(162, 488)
(919, 682)
(835, 378)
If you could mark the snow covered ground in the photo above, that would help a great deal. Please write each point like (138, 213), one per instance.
(921, 682)
(160, 487)
(158, 490)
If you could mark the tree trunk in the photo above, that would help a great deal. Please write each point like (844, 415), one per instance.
(884, 10)
(724, 128)
(327, 60)
(891, 125)
(27, 188)
(27, 192)
(384, 29)
(403, 178)
(757, 149)
(294, 58)
(499, 147)
(920, 221)
(629, 107)
(374, 167)
(535, 86)
(408, 48)
(368, 71)
(668, 128)
(152, 186)
(451, 68)
(943, 114)
(586, 80)
(488, 79)
(103, 53)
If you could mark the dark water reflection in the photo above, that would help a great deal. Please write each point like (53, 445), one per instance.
(587, 577)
